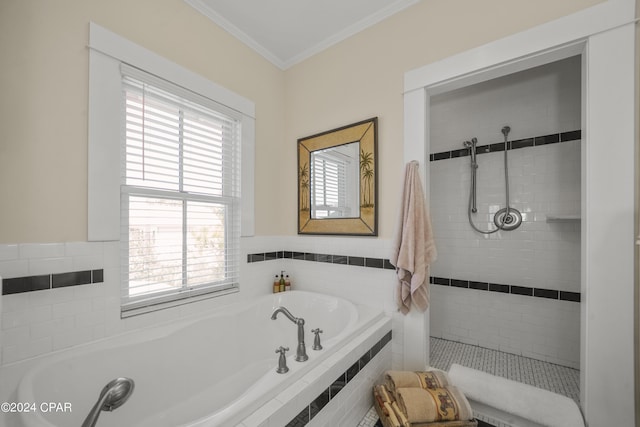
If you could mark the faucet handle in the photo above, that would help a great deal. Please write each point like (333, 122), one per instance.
(316, 340)
(282, 360)
(282, 349)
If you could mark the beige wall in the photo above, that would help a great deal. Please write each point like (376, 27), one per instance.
(43, 106)
(43, 82)
(362, 77)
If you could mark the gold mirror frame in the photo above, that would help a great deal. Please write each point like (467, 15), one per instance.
(366, 224)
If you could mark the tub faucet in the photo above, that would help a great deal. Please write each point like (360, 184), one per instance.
(301, 351)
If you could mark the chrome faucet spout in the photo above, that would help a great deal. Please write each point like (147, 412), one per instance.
(284, 311)
(301, 351)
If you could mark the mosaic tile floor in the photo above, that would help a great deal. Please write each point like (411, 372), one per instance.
(548, 376)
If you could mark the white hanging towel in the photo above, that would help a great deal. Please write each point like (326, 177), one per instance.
(413, 246)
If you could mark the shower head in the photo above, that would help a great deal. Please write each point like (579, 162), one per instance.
(112, 396)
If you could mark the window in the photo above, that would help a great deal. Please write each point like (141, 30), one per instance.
(164, 176)
(180, 193)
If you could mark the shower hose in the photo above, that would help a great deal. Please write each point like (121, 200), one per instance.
(503, 222)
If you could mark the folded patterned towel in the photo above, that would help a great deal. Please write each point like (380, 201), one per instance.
(402, 418)
(393, 419)
(433, 378)
(429, 405)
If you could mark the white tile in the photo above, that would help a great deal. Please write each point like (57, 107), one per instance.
(90, 262)
(84, 249)
(261, 416)
(38, 266)
(40, 314)
(51, 296)
(71, 338)
(14, 319)
(42, 329)
(111, 254)
(15, 302)
(41, 250)
(9, 252)
(15, 336)
(11, 269)
(72, 307)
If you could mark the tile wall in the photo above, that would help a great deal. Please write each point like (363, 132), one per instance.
(516, 291)
(350, 267)
(64, 294)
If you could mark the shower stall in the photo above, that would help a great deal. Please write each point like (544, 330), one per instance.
(505, 203)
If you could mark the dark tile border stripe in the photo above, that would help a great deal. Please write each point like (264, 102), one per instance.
(444, 281)
(512, 145)
(19, 285)
(358, 261)
(507, 289)
(317, 404)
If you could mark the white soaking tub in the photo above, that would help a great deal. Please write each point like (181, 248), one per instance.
(209, 371)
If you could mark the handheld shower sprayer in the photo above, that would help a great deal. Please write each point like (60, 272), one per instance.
(112, 396)
(506, 218)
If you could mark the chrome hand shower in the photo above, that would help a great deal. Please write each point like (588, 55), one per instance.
(112, 396)
(506, 218)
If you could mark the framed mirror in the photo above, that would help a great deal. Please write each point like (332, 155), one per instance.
(337, 181)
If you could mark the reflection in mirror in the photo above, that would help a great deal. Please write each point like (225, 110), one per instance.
(335, 182)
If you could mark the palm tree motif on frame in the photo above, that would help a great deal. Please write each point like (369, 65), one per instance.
(303, 177)
(367, 174)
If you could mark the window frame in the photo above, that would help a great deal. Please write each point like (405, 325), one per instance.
(107, 54)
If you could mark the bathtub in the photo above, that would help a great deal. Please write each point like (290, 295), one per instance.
(213, 370)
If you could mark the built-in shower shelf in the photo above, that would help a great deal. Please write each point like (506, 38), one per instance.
(563, 218)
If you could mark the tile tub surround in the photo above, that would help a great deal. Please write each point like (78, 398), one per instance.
(36, 323)
(42, 321)
(322, 400)
(352, 260)
(54, 296)
(299, 403)
(18, 285)
(386, 264)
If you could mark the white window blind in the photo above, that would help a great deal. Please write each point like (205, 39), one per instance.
(328, 186)
(180, 194)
